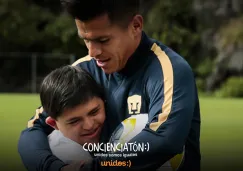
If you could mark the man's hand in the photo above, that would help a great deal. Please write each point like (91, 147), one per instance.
(37, 113)
(78, 166)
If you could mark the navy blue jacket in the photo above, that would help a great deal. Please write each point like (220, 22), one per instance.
(156, 80)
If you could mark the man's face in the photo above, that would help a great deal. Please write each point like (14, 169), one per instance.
(83, 123)
(110, 44)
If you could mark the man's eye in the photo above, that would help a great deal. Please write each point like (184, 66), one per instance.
(103, 40)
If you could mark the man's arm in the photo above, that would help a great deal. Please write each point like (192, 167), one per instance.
(33, 146)
(172, 102)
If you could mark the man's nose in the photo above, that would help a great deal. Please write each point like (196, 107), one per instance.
(94, 49)
(88, 124)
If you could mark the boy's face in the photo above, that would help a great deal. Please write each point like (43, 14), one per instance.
(83, 123)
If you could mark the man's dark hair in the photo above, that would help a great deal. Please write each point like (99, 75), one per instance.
(67, 87)
(119, 11)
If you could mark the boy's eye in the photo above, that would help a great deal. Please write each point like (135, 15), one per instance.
(94, 112)
(73, 122)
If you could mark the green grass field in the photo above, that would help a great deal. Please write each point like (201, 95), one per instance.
(221, 133)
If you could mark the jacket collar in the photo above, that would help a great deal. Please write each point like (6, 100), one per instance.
(138, 58)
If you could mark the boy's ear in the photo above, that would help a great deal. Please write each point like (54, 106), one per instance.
(52, 122)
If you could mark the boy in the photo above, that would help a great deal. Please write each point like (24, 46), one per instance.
(75, 105)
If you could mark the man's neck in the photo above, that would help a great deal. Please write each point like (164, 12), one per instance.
(138, 41)
(136, 45)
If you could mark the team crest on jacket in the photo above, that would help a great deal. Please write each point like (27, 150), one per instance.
(134, 104)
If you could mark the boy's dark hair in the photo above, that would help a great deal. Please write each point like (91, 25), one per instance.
(67, 87)
(119, 11)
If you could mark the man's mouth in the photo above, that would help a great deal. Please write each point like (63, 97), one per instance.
(102, 63)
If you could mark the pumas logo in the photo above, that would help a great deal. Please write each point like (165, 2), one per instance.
(134, 104)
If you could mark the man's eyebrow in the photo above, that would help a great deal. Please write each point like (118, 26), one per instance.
(93, 39)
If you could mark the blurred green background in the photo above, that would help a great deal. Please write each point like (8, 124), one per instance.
(221, 132)
(36, 36)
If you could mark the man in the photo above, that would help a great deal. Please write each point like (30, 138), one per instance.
(140, 75)
(75, 105)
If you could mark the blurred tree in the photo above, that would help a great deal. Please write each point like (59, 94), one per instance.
(231, 33)
(229, 61)
(34, 26)
(199, 30)
(37, 27)
(175, 24)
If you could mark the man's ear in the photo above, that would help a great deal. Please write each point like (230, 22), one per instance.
(52, 122)
(137, 24)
